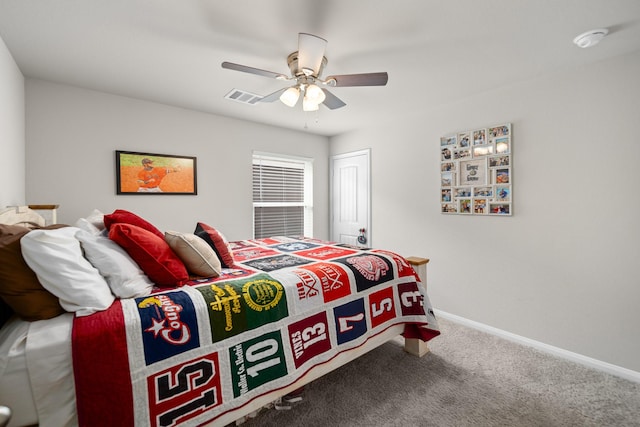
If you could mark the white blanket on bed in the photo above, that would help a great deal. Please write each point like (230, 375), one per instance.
(27, 352)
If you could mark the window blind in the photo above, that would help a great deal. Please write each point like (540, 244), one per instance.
(278, 198)
(278, 221)
(278, 183)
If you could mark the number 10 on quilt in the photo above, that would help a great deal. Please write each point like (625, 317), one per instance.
(256, 362)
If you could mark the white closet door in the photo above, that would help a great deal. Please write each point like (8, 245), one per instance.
(350, 198)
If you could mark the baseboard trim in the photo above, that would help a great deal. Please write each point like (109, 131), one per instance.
(599, 365)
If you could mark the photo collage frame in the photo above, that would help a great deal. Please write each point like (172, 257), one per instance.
(475, 172)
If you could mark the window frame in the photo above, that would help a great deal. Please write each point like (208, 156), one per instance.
(284, 160)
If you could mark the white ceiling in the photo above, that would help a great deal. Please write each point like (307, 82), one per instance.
(435, 51)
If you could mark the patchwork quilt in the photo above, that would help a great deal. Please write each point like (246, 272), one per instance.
(188, 355)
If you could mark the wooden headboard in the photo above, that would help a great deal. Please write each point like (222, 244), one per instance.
(21, 215)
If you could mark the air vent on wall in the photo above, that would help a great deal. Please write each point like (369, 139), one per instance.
(243, 96)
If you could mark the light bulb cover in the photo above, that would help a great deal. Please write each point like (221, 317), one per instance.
(309, 104)
(315, 94)
(290, 96)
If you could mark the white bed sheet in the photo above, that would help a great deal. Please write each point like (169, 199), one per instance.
(15, 388)
(36, 393)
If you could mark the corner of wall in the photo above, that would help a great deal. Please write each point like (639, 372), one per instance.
(12, 131)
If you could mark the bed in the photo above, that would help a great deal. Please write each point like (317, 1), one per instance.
(172, 328)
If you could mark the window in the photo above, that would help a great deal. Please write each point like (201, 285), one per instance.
(282, 196)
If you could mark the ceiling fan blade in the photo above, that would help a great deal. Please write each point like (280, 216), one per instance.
(331, 101)
(273, 96)
(367, 79)
(251, 70)
(310, 52)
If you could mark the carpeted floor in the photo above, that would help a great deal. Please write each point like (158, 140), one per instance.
(469, 378)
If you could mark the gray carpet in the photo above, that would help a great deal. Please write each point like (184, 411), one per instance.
(469, 378)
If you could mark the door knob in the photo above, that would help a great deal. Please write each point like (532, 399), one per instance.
(362, 239)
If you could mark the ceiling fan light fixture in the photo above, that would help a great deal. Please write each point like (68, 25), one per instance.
(306, 66)
(309, 104)
(290, 96)
(315, 94)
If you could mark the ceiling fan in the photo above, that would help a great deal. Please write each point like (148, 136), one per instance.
(306, 66)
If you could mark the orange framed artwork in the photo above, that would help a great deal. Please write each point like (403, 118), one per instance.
(149, 173)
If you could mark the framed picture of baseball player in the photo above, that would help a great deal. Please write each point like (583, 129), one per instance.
(149, 173)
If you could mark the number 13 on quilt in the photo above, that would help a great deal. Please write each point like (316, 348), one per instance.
(309, 338)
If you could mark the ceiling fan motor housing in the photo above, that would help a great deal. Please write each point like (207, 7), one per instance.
(292, 61)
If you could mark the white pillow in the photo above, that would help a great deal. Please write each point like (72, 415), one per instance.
(94, 223)
(85, 225)
(196, 254)
(55, 256)
(124, 276)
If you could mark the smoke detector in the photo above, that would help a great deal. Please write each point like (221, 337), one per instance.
(590, 38)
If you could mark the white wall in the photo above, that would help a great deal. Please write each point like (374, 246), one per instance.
(72, 135)
(12, 131)
(563, 270)
(560, 271)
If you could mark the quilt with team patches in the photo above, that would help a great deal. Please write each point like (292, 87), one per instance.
(188, 355)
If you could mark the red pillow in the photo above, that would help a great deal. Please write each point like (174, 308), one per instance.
(218, 242)
(151, 253)
(121, 216)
